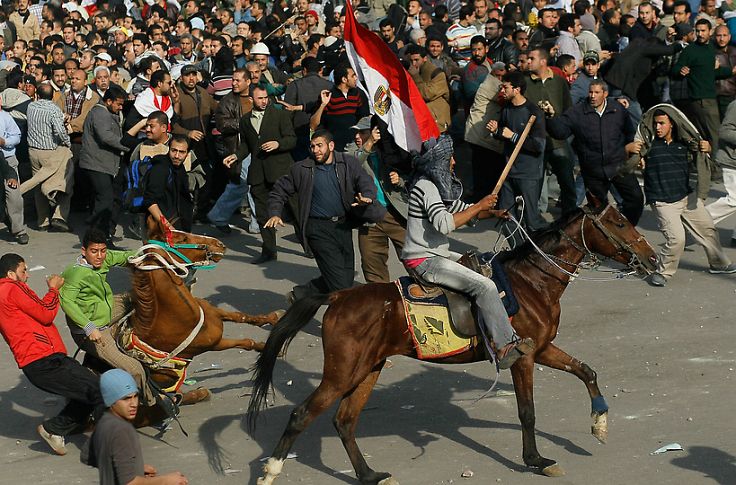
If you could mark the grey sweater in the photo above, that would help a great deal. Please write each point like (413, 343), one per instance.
(101, 145)
(429, 223)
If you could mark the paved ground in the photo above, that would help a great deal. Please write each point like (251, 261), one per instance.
(664, 357)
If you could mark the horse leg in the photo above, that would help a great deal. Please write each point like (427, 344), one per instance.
(346, 419)
(522, 373)
(321, 399)
(240, 317)
(245, 344)
(554, 357)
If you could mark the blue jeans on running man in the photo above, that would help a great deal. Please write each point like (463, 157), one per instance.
(232, 198)
(445, 272)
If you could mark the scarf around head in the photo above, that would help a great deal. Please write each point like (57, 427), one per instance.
(433, 164)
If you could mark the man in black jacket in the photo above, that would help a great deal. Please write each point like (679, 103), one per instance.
(500, 49)
(268, 135)
(167, 187)
(333, 189)
(604, 135)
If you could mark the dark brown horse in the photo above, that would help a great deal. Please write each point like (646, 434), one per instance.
(167, 315)
(366, 324)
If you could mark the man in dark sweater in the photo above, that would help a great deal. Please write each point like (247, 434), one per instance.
(696, 63)
(333, 190)
(525, 177)
(667, 187)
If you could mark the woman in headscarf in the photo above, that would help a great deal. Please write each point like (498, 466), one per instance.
(435, 210)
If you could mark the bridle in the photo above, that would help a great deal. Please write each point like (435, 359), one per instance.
(591, 260)
(168, 261)
(622, 247)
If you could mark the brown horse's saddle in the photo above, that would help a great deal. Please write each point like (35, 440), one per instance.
(461, 310)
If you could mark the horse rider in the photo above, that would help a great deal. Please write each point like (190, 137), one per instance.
(92, 310)
(27, 325)
(435, 210)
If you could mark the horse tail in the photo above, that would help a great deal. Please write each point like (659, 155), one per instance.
(296, 318)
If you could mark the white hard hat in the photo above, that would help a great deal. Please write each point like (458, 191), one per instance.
(260, 48)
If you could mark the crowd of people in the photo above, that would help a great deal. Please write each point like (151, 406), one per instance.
(202, 111)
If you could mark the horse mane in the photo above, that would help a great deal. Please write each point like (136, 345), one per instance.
(547, 239)
(144, 298)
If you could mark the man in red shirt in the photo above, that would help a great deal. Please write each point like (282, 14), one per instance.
(27, 325)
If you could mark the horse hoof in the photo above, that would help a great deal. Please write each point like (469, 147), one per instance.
(553, 471)
(389, 481)
(600, 427)
(278, 314)
(195, 396)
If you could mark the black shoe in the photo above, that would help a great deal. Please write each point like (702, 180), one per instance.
(264, 258)
(224, 228)
(21, 238)
(513, 351)
(59, 225)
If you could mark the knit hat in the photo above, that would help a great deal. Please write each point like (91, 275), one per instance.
(116, 384)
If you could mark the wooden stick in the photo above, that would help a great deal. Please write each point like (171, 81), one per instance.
(514, 155)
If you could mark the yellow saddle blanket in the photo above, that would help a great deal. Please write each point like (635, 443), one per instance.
(432, 331)
(148, 356)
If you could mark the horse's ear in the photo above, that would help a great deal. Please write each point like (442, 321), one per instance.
(594, 203)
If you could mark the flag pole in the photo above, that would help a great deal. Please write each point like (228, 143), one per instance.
(514, 155)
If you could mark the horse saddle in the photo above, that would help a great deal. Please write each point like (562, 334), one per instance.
(462, 311)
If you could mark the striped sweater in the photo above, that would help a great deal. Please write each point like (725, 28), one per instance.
(429, 223)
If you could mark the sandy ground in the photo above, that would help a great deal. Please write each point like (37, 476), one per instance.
(664, 358)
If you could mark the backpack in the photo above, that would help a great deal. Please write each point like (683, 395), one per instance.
(135, 184)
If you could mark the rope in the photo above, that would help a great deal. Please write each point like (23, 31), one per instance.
(179, 269)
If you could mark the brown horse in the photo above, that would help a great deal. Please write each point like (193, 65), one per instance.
(364, 325)
(167, 315)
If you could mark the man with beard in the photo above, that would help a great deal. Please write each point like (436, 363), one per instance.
(332, 188)
(475, 71)
(696, 64)
(726, 56)
(267, 134)
(499, 48)
(167, 187)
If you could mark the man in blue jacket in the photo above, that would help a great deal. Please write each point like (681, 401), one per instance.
(604, 136)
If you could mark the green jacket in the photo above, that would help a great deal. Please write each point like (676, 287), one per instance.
(555, 90)
(701, 81)
(86, 296)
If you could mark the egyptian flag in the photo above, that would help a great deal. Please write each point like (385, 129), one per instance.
(391, 92)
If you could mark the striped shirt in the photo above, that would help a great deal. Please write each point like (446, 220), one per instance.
(46, 130)
(458, 37)
(666, 173)
(429, 223)
(342, 112)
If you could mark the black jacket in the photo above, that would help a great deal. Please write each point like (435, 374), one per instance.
(501, 50)
(168, 187)
(300, 181)
(267, 166)
(599, 140)
(628, 70)
(227, 120)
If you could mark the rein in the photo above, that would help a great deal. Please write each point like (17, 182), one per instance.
(595, 261)
(170, 263)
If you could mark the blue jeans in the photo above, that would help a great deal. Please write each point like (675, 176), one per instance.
(232, 198)
(449, 274)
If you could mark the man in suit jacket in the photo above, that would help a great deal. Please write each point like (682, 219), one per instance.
(269, 138)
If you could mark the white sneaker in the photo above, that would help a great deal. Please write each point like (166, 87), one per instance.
(56, 442)
(730, 269)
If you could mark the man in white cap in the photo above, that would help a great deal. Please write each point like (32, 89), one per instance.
(114, 447)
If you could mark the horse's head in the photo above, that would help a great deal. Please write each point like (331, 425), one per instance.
(607, 232)
(189, 248)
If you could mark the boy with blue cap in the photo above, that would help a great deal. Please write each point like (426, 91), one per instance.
(114, 448)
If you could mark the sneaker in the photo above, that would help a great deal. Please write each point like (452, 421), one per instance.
(731, 268)
(511, 352)
(56, 442)
(22, 238)
(657, 280)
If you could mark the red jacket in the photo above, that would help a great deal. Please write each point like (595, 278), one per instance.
(27, 322)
